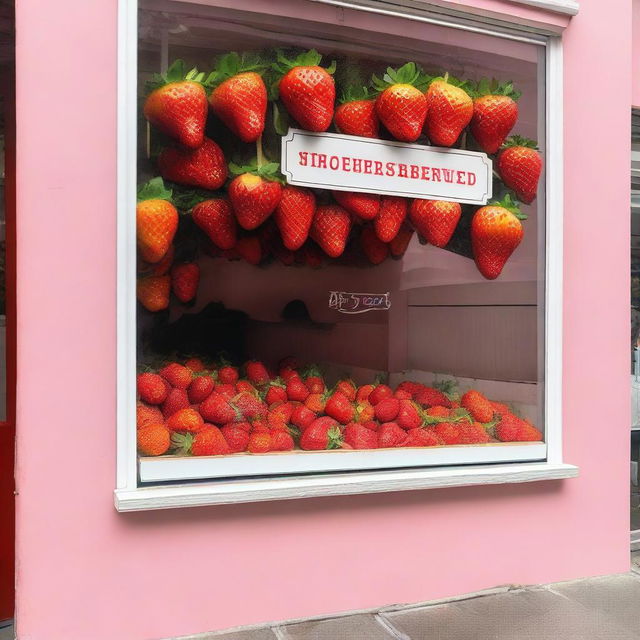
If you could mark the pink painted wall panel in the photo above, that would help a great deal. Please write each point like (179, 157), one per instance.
(85, 571)
(635, 52)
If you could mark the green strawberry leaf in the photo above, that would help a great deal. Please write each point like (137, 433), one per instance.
(154, 190)
(486, 87)
(175, 73)
(510, 204)
(233, 63)
(449, 387)
(309, 58)
(409, 73)
(182, 442)
(280, 120)
(519, 141)
(353, 93)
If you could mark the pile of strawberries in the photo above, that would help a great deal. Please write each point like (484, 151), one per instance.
(247, 210)
(192, 409)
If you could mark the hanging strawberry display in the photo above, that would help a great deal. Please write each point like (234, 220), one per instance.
(307, 90)
(177, 106)
(216, 218)
(496, 232)
(449, 111)
(495, 113)
(156, 220)
(435, 220)
(153, 292)
(294, 215)
(520, 166)
(184, 281)
(356, 115)
(393, 211)
(330, 229)
(401, 104)
(239, 96)
(364, 205)
(204, 167)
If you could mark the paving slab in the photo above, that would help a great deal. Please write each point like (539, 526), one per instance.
(356, 627)
(515, 615)
(251, 634)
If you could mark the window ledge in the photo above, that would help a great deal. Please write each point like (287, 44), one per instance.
(258, 490)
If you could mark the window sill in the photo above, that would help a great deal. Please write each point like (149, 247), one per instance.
(258, 490)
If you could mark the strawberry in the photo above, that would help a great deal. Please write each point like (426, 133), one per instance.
(323, 433)
(227, 390)
(151, 388)
(153, 439)
(408, 415)
(245, 385)
(380, 392)
(209, 442)
(200, 388)
(249, 249)
(249, 405)
(146, 414)
(401, 394)
(257, 373)
(421, 437)
(473, 433)
(260, 426)
(217, 408)
(364, 392)
(281, 440)
(184, 281)
(529, 433)
(162, 267)
(288, 363)
(364, 412)
(393, 211)
(496, 232)
(259, 442)
(302, 416)
(430, 397)
(438, 412)
(297, 389)
(363, 205)
(402, 105)
(156, 220)
(373, 248)
(494, 114)
(253, 197)
(195, 364)
(520, 166)
(307, 90)
(356, 115)
(449, 111)
(203, 167)
(279, 414)
(477, 405)
(216, 218)
(240, 96)
(177, 375)
(514, 429)
(435, 220)
(294, 215)
(227, 374)
(448, 432)
(276, 392)
(399, 244)
(499, 407)
(316, 402)
(348, 387)
(387, 409)
(178, 105)
(339, 407)
(176, 400)
(390, 435)
(330, 229)
(410, 387)
(236, 437)
(185, 420)
(358, 436)
(153, 292)
(314, 380)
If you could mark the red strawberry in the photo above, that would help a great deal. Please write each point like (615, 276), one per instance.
(358, 436)
(373, 248)
(356, 116)
(209, 442)
(151, 388)
(236, 437)
(245, 385)
(387, 409)
(390, 435)
(275, 393)
(184, 281)
(520, 166)
(529, 433)
(259, 442)
(218, 409)
(330, 229)
(339, 407)
(364, 412)
(410, 387)
(499, 407)
(253, 199)
(146, 415)
(430, 397)
(281, 440)
(257, 373)
(200, 388)
(185, 420)
(216, 218)
(448, 432)
(399, 244)
(259, 426)
(363, 205)
(297, 389)
(179, 106)
(227, 374)
(408, 415)
(316, 402)
(372, 425)
(380, 392)
(176, 400)
(227, 390)
(195, 364)
(279, 414)
(496, 232)
(477, 405)
(323, 433)
(514, 429)
(401, 105)
(348, 387)
(401, 394)
(249, 249)
(314, 380)
(449, 111)
(245, 426)
(156, 221)
(438, 412)
(307, 90)
(153, 292)
(364, 392)
(204, 167)
(472, 433)
(311, 256)
(302, 416)
(294, 215)
(435, 220)
(177, 375)
(421, 437)
(240, 98)
(249, 405)
(393, 211)
(494, 114)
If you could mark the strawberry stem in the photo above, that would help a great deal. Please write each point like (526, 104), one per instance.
(259, 152)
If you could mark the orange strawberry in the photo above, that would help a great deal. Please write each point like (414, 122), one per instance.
(435, 220)
(496, 232)
(188, 420)
(253, 197)
(449, 111)
(160, 268)
(494, 113)
(153, 292)
(240, 96)
(363, 205)
(364, 412)
(402, 105)
(156, 220)
(203, 167)
(151, 388)
(372, 247)
(356, 115)
(178, 106)
(393, 211)
(184, 281)
(294, 215)
(477, 405)
(307, 90)
(147, 414)
(399, 244)
(520, 166)
(153, 439)
(330, 229)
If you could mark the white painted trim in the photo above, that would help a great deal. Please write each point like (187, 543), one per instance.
(234, 491)
(565, 7)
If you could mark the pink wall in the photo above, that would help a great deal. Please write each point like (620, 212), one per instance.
(85, 571)
(635, 69)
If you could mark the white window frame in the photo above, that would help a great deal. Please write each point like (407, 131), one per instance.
(129, 496)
